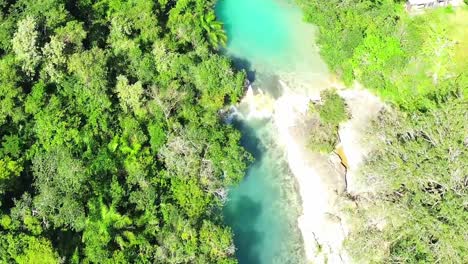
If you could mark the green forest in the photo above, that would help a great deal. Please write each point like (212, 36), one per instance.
(111, 145)
(417, 64)
(112, 148)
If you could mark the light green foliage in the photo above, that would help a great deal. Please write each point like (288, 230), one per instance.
(35, 99)
(376, 56)
(51, 129)
(326, 116)
(438, 52)
(11, 145)
(407, 60)
(103, 226)
(216, 242)
(419, 173)
(5, 222)
(26, 249)
(11, 164)
(25, 45)
(89, 67)
(50, 13)
(182, 18)
(190, 197)
(214, 30)
(135, 18)
(181, 156)
(9, 168)
(157, 136)
(417, 212)
(130, 95)
(216, 79)
(59, 180)
(54, 59)
(111, 145)
(72, 34)
(323, 138)
(9, 171)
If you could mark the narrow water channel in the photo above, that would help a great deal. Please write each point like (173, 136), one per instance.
(268, 39)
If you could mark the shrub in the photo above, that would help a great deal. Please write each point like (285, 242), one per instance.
(327, 117)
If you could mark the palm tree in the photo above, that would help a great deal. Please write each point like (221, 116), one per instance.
(214, 30)
(104, 225)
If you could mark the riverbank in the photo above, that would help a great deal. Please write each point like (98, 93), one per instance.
(323, 182)
(322, 179)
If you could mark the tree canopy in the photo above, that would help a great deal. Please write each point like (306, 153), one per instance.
(417, 211)
(111, 146)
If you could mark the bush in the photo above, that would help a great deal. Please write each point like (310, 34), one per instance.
(333, 111)
(324, 138)
(327, 117)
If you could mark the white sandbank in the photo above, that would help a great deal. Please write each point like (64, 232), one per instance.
(320, 184)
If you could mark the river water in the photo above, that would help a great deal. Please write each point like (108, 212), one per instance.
(269, 40)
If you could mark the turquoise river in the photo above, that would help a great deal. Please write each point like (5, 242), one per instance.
(269, 40)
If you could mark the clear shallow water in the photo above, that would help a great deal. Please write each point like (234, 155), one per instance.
(256, 28)
(268, 39)
(263, 209)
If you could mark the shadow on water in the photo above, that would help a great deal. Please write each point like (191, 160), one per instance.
(243, 64)
(250, 139)
(242, 214)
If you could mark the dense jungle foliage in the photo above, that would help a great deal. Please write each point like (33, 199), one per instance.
(417, 63)
(111, 147)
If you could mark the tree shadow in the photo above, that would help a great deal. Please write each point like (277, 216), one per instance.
(249, 139)
(244, 64)
(241, 214)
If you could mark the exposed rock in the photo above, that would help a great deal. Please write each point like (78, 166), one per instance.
(340, 172)
(364, 107)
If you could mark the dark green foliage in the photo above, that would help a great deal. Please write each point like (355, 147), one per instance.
(111, 147)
